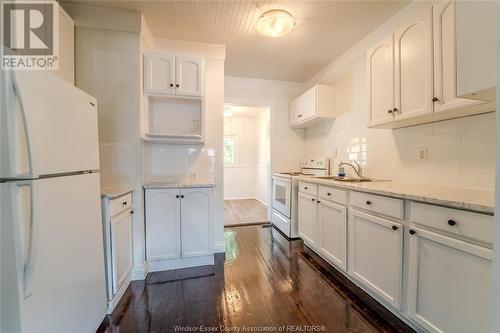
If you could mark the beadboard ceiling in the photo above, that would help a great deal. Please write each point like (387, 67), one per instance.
(323, 31)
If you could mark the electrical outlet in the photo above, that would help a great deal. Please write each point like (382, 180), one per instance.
(422, 153)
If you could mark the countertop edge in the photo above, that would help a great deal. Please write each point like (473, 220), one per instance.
(116, 194)
(475, 207)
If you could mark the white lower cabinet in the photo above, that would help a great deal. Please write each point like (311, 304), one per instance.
(332, 233)
(449, 285)
(308, 226)
(178, 228)
(376, 255)
(117, 228)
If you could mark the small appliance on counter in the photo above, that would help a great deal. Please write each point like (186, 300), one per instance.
(285, 194)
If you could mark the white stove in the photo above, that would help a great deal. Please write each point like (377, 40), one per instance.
(285, 194)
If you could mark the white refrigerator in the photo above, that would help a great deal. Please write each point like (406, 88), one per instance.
(52, 261)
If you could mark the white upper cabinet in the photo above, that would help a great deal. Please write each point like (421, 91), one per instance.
(476, 37)
(380, 66)
(445, 64)
(431, 65)
(167, 74)
(189, 74)
(66, 57)
(413, 68)
(159, 73)
(312, 107)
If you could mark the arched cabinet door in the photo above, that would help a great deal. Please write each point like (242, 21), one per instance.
(159, 73)
(414, 68)
(196, 222)
(162, 224)
(380, 82)
(189, 76)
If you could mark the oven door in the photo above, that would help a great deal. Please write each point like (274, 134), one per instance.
(282, 195)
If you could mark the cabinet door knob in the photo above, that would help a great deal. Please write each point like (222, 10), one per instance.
(305, 187)
(313, 199)
(177, 85)
(182, 196)
(395, 110)
(394, 227)
(435, 99)
(452, 223)
(412, 232)
(328, 194)
(389, 111)
(319, 201)
(299, 115)
(124, 203)
(368, 202)
(177, 196)
(171, 84)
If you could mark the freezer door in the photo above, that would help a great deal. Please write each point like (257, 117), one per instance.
(51, 127)
(62, 281)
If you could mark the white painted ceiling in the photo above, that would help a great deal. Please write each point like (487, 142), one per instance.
(323, 31)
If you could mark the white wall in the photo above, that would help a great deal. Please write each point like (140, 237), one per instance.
(287, 144)
(263, 158)
(461, 152)
(247, 177)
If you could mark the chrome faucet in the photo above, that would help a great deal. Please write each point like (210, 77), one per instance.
(356, 168)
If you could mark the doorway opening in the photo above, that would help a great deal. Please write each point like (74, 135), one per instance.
(246, 164)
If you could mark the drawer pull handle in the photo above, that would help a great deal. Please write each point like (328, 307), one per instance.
(394, 227)
(319, 201)
(124, 203)
(368, 202)
(452, 223)
(412, 232)
(305, 187)
(328, 194)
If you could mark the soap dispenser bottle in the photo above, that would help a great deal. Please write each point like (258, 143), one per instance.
(341, 172)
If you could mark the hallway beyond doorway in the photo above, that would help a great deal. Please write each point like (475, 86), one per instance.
(244, 212)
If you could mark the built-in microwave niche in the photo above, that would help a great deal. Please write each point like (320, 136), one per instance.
(175, 119)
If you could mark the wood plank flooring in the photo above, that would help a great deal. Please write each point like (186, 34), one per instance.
(241, 212)
(263, 280)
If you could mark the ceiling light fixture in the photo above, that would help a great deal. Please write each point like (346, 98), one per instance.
(275, 23)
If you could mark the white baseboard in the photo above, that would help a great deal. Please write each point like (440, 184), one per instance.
(220, 247)
(139, 272)
(262, 202)
(245, 198)
(165, 265)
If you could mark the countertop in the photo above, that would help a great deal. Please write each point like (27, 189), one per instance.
(115, 192)
(482, 201)
(181, 184)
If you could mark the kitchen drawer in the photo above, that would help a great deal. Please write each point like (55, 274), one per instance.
(308, 188)
(378, 204)
(454, 221)
(120, 204)
(333, 195)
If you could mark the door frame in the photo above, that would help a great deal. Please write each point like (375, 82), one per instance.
(270, 105)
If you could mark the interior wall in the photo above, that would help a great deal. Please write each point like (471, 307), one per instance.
(287, 144)
(247, 177)
(460, 152)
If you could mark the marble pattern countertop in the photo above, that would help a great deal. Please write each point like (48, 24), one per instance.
(181, 184)
(115, 192)
(476, 200)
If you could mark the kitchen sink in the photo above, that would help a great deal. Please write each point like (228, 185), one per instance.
(347, 179)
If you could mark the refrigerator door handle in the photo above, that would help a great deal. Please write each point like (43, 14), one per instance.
(25, 208)
(20, 154)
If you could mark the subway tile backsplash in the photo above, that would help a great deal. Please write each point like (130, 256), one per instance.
(457, 153)
(117, 164)
(165, 162)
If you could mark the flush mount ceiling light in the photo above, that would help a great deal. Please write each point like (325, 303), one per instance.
(275, 23)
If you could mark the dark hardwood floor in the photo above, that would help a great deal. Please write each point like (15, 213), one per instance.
(263, 280)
